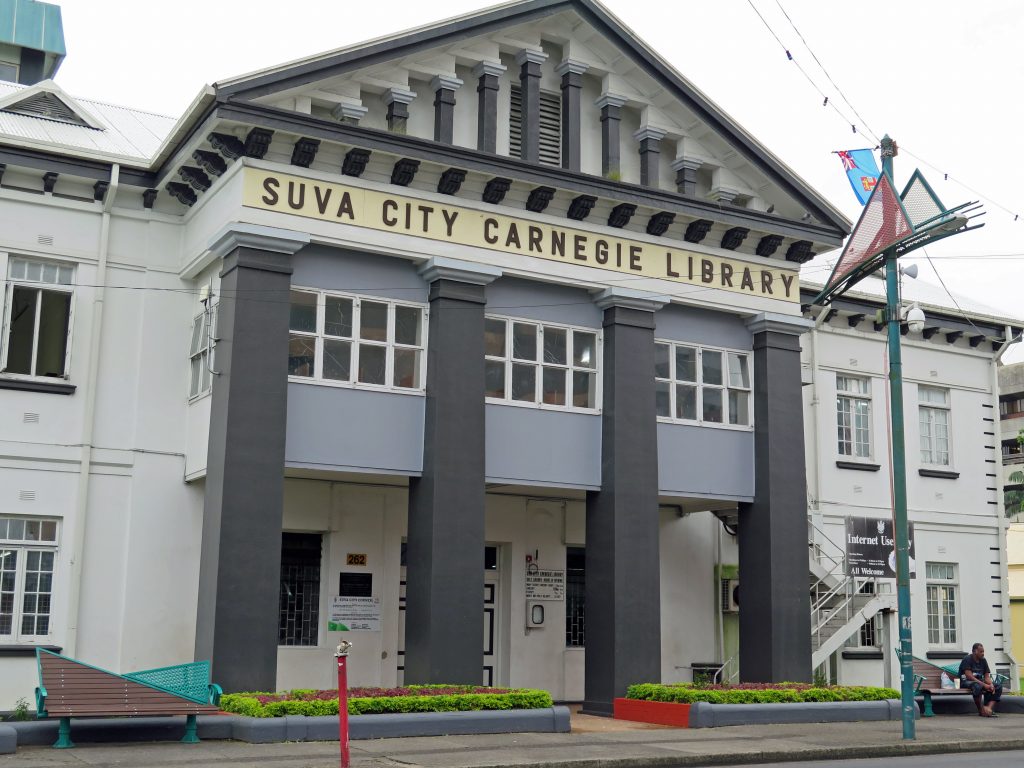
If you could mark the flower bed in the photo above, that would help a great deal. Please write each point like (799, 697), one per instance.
(756, 693)
(372, 701)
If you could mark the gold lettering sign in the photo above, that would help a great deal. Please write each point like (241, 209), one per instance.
(455, 224)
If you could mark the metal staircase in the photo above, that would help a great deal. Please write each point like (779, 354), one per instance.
(840, 604)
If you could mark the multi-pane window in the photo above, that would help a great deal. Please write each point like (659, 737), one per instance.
(548, 365)
(942, 604)
(575, 590)
(342, 339)
(933, 411)
(37, 318)
(201, 352)
(853, 416)
(27, 554)
(299, 605)
(701, 385)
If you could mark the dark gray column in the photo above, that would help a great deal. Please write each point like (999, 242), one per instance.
(529, 80)
(650, 154)
(444, 576)
(686, 174)
(487, 74)
(610, 106)
(240, 556)
(623, 579)
(572, 84)
(444, 107)
(349, 112)
(398, 101)
(775, 613)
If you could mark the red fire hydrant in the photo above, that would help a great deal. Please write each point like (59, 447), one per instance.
(342, 656)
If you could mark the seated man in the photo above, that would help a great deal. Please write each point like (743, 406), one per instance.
(975, 675)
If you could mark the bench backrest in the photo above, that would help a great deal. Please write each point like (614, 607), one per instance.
(190, 681)
(932, 675)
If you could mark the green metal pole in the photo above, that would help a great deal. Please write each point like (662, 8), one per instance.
(899, 472)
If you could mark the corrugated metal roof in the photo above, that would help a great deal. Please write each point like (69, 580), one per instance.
(127, 135)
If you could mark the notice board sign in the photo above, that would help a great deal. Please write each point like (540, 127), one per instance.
(354, 614)
(545, 584)
(871, 548)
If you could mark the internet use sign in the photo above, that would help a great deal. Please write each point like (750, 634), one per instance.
(871, 548)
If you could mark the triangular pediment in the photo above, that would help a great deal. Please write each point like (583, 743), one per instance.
(48, 101)
(356, 84)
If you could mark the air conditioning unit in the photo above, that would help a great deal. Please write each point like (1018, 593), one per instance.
(730, 597)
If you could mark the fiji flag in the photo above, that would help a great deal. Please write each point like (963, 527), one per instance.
(860, 168)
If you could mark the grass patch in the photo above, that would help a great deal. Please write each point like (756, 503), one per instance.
(375, 701)
(757, 693)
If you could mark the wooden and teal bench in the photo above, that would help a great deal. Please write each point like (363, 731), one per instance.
(70, 688)
(928, 682)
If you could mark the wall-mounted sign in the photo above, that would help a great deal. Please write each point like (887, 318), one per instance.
(354, 614)
(545, 584)
(456, 224)
(871, 548)
(355, 584)
(355, 558)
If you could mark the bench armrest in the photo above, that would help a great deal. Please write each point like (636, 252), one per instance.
(918, 680)
(215, 693)
(40, 702)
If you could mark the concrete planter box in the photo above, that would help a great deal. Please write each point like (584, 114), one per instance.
(703, 715)
(262, 730)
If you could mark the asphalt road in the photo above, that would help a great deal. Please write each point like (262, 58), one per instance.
(973, 759)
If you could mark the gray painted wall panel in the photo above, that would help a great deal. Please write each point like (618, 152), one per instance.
(703, 461)
(336, 427)
(527, 445)
(513, 297)
(701, 326)
(335, 269)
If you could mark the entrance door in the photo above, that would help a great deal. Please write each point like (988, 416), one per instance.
(492, 593)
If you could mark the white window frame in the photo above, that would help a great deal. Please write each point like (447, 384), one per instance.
(201, 353)
(930, 410)
(22, 546)
(673, 381)
(390, 344)
(854, 397)
(934, 595)
(37, 285)
(540, 364)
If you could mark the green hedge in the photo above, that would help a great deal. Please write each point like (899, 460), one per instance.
(686, 693)
(248, 704)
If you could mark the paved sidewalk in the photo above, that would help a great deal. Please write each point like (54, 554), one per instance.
(595, 743)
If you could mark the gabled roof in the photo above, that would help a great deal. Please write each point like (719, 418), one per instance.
(44, 115)
(48, 101)
(309, 70)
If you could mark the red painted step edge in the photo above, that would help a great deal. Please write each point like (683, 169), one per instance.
(659, 712)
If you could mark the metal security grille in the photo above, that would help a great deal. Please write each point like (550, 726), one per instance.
(550, 151)
(575, 583)
(300, 589)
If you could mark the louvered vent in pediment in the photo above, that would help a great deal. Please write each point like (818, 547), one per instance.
(550, 146)
(47, 106)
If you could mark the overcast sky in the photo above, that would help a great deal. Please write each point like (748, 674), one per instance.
(942, 78)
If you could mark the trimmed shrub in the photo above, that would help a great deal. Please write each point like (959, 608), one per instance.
(374, 701)
(756, 693)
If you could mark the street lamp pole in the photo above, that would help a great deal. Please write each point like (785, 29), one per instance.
(899, 471)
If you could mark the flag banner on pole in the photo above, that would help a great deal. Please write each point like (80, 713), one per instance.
(883, 223)
(861, 170)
